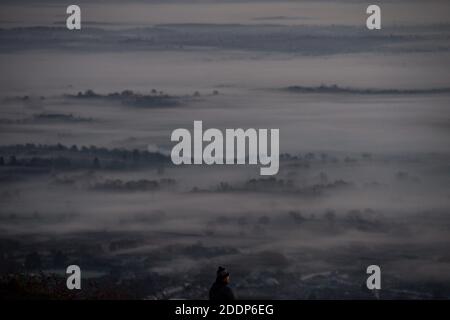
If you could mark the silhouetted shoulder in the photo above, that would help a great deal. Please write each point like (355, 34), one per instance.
(220, 292)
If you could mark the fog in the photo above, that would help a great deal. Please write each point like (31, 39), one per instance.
(364, 125)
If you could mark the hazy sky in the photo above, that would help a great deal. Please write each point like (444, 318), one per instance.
(246, 12)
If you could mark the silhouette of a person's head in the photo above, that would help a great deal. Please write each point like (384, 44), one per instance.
(222, 275)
